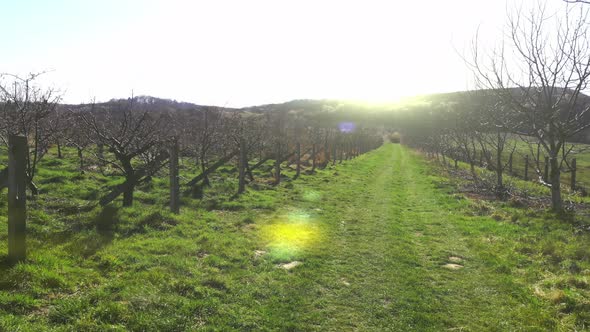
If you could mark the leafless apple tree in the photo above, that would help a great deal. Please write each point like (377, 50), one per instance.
(136, 141)
(539, 73)
(28, 109)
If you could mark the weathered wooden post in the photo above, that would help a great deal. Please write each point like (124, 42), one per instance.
(278, 163)
(17, 198)
(81, 160)
(242, 167)
(334, 151)
(346, 151)
(573, 178)
(526, 167)
(298, 156)
(313, 153)
(546, 174)
(341, 152)
(174, 182)
(326, 150)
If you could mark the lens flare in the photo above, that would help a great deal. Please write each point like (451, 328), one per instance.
(346, 127)
(290, 234)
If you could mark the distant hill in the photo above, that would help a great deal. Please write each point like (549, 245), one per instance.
(330, 111)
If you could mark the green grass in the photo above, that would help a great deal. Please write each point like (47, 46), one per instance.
(372, 235)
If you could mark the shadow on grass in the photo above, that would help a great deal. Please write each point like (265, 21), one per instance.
(106, 220)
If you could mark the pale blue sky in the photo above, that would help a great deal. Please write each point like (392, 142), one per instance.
(241, 53)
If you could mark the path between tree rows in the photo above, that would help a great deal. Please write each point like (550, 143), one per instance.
(396, 251)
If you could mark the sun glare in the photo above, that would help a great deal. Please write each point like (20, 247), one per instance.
(236, 53)
(290, 234)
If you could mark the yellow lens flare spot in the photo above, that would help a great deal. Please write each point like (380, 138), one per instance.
(290, 235)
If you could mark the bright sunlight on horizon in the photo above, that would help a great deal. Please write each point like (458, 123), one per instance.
(242, 53)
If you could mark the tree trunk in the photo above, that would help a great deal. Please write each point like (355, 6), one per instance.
(81, 159)
(526, 167)
(174, 181)
(334, 151)
(242, 167)
(499, 166)
(59, 155)
(555, 176)
(203, 169)
(546, 173)
(326, 149)
(499, 174)
(128, 193)
(100, 151)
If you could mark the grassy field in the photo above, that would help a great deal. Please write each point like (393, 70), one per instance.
(375, 239)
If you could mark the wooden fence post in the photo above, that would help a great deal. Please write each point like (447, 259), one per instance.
(298, 156)
(242, 167)
(526, 167)
(573, 178)
(326, 151)
(174, 181)
(334, 151)
(17, 198)
(313, 153)
(546, 174)
(278, 163)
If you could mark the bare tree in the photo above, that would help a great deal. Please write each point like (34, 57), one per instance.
(75, 135)
(540, 74)
(135, 139)
(26, 109)
(205, 134)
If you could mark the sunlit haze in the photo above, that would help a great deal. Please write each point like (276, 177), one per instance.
(241, 53)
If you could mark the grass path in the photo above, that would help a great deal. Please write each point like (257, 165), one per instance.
(387, 232)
